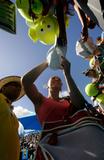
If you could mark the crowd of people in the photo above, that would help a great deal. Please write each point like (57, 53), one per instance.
(28, 145)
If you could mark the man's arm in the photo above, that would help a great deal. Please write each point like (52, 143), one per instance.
(28, 83)
(76, 97)
(62, 39)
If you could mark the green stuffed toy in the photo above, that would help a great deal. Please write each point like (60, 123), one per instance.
(45, 30)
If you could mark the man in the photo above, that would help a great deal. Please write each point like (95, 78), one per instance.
(52, 108)
(10, 91)
(58, 142)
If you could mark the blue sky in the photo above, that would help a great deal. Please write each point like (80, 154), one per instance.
(18, 54)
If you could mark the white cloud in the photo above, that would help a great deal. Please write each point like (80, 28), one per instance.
(21, 112)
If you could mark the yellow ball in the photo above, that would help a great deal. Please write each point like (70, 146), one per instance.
(100, 98)
(91, 89)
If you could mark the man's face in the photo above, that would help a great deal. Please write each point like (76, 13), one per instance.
(55, 84)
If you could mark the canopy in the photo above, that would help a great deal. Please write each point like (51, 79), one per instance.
(30, 122)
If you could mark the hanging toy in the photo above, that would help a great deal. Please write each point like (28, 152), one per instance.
(29, 8)
(45, 30)
(42, 28)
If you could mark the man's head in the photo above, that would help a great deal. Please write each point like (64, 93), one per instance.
(55, 84)
(11, 87)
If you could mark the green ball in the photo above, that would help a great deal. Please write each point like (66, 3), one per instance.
(100, 98)
(37, 7)
(91, 89)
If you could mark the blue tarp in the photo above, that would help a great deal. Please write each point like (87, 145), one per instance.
(30, 122)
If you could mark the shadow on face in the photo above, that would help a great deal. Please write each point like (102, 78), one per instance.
(55, 83)
(11, 90)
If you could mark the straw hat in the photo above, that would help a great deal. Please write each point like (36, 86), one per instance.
(9, 79)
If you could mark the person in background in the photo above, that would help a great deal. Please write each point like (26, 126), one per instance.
(10, 91)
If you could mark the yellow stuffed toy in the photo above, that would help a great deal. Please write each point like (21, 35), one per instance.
(42, 28)
(45, 29)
